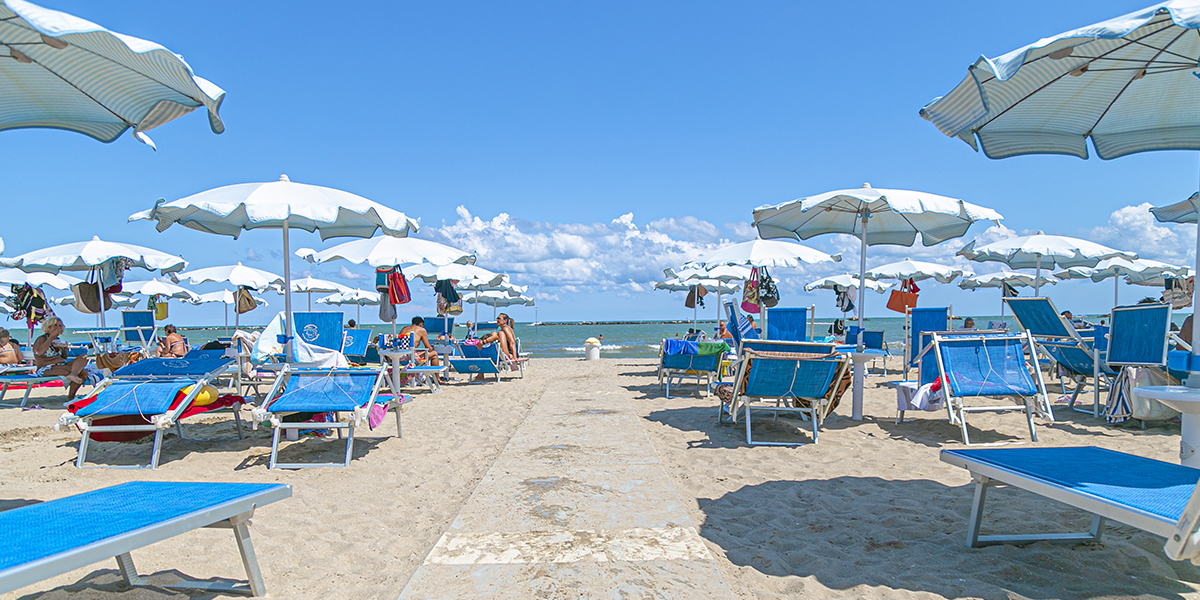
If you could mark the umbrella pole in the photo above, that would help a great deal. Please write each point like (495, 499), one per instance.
(1116, 291)
(1193, 381)
(718, 311)
(359, 320)
(309, 300)
(476, 307)
(1037, 279)
(858, 357)
(226, 319)
(287, 296)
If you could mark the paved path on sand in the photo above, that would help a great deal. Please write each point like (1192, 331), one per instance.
(576, 506)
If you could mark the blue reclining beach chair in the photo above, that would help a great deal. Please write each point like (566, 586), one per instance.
(477, 360)
(739, 327)
(51, 538)
(985, 364)
(787, 324)
(1139, 337)
(147, 390)
(355, 343)
(22, 376)
(785, 377)
(138, 328)
(1157, 497)
(681, 360)
(1059, 341)
(322, 329)
(351, 391)
(916, 322)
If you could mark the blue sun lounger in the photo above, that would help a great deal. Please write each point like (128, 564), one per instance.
(51, 538)
(146, 389)
(984, 364)
(22, 376)
(477, 360)
(916, 322)
(787, 377)
(681, 360)
(336, 391)
(1155, 496)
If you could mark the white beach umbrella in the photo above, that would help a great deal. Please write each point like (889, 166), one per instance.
(87, 256)
(499, 299)
(280, 205)
(763, 253)
(849, 281)
(388, 251)
(239, 275)
(917, 271)
(356, 297)
(875, 216)
(117, 300)
(505, 285)
(227, 298)
(310, 285)
(710, 285)
(997, 280)
(1158, 281)
(468, 276)
(720, 272)
(159, 287)
(19, 277)
(1042, 251)
(1115, 268)
(68, 73)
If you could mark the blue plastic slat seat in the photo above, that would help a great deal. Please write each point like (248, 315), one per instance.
(1145, 484)
(322, 392)
(135, 398)
(43, 530)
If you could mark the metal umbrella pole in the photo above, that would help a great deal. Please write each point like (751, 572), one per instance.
(287, 296)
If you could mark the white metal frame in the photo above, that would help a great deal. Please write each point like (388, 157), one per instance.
(815, 413)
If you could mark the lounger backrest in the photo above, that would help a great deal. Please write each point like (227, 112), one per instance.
(198, 353)
(487, 326)
(355, 341)
(985, 364)
(175, 367)
(852, 335)
(1139, 335)
(1039, 317)
(927, 371)
(738, 325)
(921, 320)
(490, 351)
(873, 340)
(790, 378)
(322, 329)
(324, 390)
(695, 362)
(436, 326)
(788, 324)
(782, 346)
(138, 326)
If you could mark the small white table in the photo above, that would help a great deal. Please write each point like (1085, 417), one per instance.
(397, 357)
(1187, 401)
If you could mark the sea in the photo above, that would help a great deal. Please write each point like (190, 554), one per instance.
(626, 339)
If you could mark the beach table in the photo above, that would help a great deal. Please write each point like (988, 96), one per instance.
(401, 368)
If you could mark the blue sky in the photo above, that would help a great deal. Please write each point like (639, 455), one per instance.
(527, 131)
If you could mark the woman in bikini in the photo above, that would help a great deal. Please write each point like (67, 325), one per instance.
(50, 357)
(172, 344)
(10, 351)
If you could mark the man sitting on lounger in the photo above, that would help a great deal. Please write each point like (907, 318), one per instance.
(423, 353)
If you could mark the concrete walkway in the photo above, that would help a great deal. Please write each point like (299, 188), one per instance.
(576, 506)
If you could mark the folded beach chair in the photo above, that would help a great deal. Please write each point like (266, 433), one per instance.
(985, 364)
(145, 397)
(787, 324)
(354, 392)
(355, 343)
(477, 360)
(783, 377)
(916, 321)
(1059, 341)
(1139, 337)
(51, 538)
(739, 327)
(138, 329)
(1157, 497)
(681, 359)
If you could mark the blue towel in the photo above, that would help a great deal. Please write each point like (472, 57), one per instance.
(674, 347)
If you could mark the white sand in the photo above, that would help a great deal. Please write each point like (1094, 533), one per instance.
(869, 512)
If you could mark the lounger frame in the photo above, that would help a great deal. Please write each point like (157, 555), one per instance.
(264, 414)
(741, 403)
(234, 515)
(29, 381)
(700, 368)
(1066, 340)
(158, 423)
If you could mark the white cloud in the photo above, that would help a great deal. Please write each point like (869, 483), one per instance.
(1134, 228)
(252, 256)
(345, 273)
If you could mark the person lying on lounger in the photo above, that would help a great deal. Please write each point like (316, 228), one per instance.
(10, 351)
(50, 357)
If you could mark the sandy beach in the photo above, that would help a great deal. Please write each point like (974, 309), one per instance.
(869, 512)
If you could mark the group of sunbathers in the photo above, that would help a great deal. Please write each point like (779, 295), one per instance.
(424, 354)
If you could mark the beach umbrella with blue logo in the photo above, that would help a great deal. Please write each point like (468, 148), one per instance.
(1128, 84)
(62, 72)
(282, 205)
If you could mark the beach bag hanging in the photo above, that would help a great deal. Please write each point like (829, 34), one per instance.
(397, 287)
(750, 293)
(381, 279)
(691, 298)
(767, 292)
(158, 304)
(448, 308)
(902, 299)
(243, 301)
(87, 297)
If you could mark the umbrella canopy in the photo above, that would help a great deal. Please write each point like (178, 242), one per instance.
(849, 281)
(499, 299)
(469, 277)
(1126, 83)
(353, 296)
(117, 300)
(19, 277)
(997, 280)
(1157, 282)
(311, 284)
(505, 286)
(917, 271)
(159, 287)
(224, 297)
(280, 205)
(719, 272)
(387, 251)
(1042, 251)
(711, 285)
(239, 275)
(85, 256)
(763, 253)
(875, 216)
(72, 74)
